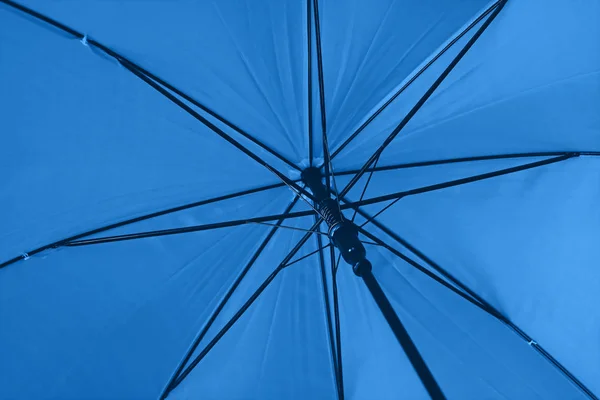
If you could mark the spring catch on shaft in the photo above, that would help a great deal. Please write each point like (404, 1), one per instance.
(342, 232)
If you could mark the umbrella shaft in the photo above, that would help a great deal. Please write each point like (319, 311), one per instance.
(403, 337)
(342, 232)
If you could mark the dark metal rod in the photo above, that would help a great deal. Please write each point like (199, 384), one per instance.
(225, 299)
(558, 365)
(130, 221)
(403, 337)
(326, 155)
(223, 331)
(291, 228)
(290, 183)
(467, 159)
(411, 80)
(418, 266)
(458, 182)
(424, 98)
(212, 113)
(364, 191)
(44, 18)
(309, 82)
(216, 116)
(304, 257)
(337, 264)
(328, 316)
(162, 82)
(188, 229)
(329, 172)
(421, 255)
(243, 309)
(370, 243)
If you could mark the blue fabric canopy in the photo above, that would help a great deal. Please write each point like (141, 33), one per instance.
(159, 240)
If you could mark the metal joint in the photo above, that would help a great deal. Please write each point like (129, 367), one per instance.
(342, 232)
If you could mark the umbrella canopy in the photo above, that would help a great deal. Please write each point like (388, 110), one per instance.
(192, 194)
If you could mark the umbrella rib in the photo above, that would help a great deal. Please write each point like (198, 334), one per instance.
(290, 183)
(467, 159)
(393, 196)
(483, 305)
(312, 253)
(364, 191)
(225, 299)
(162, 82)
(457, 182)
(292, 228)
(208, 111)
(339, 386)
(187, 229)
(140, 73)
(370, 243)
(412, 79)
(419, 267)
(337, 264)
(329, 171)
(326, 162)
(145, 217)
(472, 297)
(242, 310)
(419, 254)
(403, 337)
(44, 18)
(309, 82)
(424, 98)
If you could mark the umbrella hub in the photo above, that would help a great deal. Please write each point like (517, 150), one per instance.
(342, 232)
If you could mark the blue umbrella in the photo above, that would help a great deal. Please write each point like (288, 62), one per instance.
(300, 200)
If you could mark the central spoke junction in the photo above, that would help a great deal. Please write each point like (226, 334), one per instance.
(342, 232)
